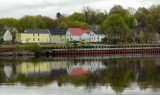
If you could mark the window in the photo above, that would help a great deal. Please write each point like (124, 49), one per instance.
(33, 39)
(38, 39)
(60, 35)
(38, 34)
(33, 34)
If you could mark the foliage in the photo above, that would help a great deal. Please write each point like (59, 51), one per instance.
(140, 20)
(116, 28)
(67, 43)
(35, 48)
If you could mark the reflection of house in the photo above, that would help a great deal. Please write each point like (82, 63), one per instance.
(58, 72)
(34, 70)
(85, 67)
(78, 72)
(34, 36)
(9, 71)
(58, 36)
(56, 65)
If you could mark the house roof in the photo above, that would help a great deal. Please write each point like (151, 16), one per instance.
(77, 31)
(57, 32)
(39, 31)
(98, 32)
(78, 72)
(9, 28)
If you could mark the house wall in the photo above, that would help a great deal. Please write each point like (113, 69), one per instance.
(7, 36)
(76, 38)
(71, 37)
(68, 35)
(18, 37)
(60, 39)
(85, 37)
(95, 37)
(34, 38)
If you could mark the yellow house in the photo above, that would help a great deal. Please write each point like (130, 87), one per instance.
(57, 36)
(33, 36)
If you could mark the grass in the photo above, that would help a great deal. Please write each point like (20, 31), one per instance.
(41, 45)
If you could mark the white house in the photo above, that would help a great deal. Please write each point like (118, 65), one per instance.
(75, 34)
(7, 36)
(96, 36)
(85, 37)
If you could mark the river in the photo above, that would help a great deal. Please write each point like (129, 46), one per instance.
(95, 75)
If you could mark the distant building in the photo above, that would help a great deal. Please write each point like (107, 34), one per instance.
(10, 34)
(96, 36)
(34, 36)
(57, 36)
(75, 34)
(7, 36)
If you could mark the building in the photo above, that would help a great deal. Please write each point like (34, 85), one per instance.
(75, 34)
(96, 36)
(10, 34)
(7, 36)
(57, 36)
(85, 37)
(34, 36)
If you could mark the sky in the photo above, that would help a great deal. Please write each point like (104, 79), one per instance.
(20, 8)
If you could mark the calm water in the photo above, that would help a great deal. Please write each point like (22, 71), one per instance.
(101, 75)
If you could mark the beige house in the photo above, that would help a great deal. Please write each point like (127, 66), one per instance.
(57, 36)
(33, 36)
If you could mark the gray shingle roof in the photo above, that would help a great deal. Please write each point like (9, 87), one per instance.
(98, 32)
(9, 28)
(37, 31)
(57, 32)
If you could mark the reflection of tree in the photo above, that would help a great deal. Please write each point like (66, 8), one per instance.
(119, 74)
(2, 75)
(149, 75)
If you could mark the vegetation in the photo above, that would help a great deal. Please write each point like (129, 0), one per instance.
(127, 26)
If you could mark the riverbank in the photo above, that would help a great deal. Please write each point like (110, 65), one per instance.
(35, 50)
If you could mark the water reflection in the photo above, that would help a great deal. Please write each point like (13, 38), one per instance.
(116, 72)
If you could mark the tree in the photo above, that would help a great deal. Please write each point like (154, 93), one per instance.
(78, 17)
(9, 22)
(118, 9)
(116, 28)
(50, 23)
(27, 22)
(58, 15)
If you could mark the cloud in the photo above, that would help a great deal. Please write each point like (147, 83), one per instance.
(19, 8)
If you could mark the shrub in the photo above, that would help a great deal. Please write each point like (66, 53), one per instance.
(35, 48)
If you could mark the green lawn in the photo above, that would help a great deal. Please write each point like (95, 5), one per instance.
(28, 45)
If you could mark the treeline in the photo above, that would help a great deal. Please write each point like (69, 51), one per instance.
(119, 23)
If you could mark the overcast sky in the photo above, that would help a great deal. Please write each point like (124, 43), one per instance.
(19, 8)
